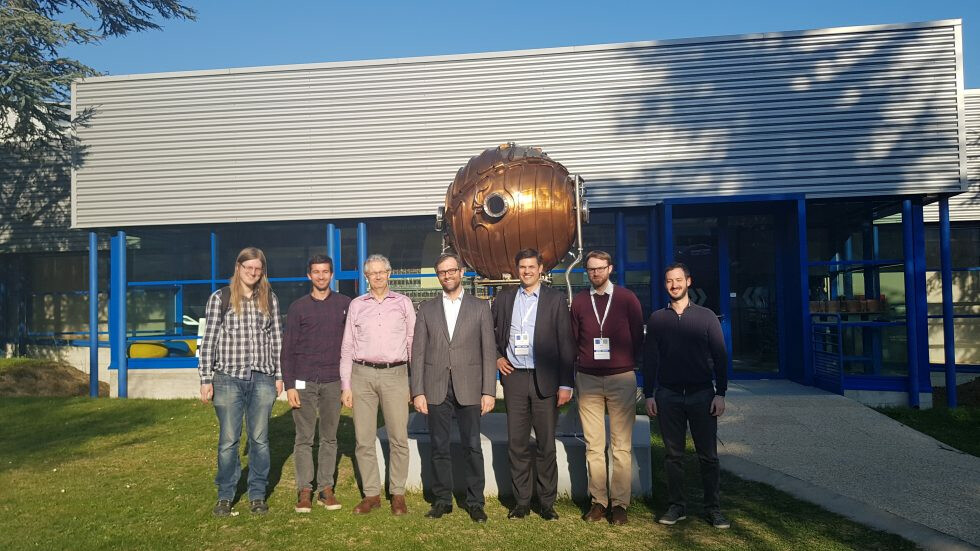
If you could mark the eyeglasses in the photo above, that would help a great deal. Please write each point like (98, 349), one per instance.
(596, 270)
(251, 269)
(377, 274)
(449, 272)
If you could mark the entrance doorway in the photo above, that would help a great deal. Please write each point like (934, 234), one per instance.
(733, 260)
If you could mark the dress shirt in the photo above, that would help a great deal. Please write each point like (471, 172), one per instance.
(237, 344)
(606, 290)
(526, 304)
(376, 331)
(451, 309)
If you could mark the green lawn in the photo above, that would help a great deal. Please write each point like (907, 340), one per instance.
(958, 427)
(137, 474)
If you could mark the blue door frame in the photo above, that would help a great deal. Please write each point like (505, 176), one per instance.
(791, 284)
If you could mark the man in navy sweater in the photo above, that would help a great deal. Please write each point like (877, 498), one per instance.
(607, 323)
(684, 351)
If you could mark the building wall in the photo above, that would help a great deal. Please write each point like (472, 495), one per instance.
(837, 112)
(966, 206)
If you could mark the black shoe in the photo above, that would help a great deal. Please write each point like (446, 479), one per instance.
(548, 513)
(222, 508)
(718, 520)
(477, 514)
(674, 513)
(258, 506)
(520, 511)
(439, 509)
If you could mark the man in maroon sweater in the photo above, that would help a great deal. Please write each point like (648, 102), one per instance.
(607, 323)
(310, 362)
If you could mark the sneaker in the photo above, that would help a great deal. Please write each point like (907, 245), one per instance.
(328, 500)
(674, 513)
(304, 501)
(718, 520)
(258, 506)
(222, 508)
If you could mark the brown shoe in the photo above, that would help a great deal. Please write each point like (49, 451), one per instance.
(368, 504)
(304, 503)
(328, 500)
(595, 514)
(398, 506)
(618, 516)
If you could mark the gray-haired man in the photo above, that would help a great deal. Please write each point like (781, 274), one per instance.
(374, 372)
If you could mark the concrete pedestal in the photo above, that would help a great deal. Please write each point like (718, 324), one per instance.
(572, 469)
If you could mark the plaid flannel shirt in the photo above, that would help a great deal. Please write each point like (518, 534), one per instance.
(241, 343)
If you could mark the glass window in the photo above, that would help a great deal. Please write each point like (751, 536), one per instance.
(287, 245)
(168, 254)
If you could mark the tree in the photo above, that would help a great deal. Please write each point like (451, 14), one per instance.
(35, 80)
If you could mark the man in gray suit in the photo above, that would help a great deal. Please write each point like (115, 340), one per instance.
(453, 370)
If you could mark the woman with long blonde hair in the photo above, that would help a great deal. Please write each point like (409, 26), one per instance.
(239, 369)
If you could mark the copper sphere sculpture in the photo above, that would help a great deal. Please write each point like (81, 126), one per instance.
(506, 199)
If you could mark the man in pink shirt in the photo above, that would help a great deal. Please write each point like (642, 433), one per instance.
(374, 371)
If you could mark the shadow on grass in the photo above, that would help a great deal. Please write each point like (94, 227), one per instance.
(38, 431)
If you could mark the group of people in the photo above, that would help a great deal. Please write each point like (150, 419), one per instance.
(376, 351)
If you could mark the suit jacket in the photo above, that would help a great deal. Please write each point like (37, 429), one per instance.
(470, 355)
(554, 348)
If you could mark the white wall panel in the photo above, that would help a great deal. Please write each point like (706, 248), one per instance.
(966, 206)
(853, 111)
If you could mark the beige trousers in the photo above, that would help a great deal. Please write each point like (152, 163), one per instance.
(596, 394)
(388, 388)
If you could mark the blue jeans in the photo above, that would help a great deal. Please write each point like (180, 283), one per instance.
(253, 399)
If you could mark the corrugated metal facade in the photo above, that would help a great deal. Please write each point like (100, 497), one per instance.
(966, 206)
(35, 205)
(868, 110)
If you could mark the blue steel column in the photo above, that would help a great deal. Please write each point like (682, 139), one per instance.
(667, 235)
(93, 315)
(946, 263)
(117, 312)
(361, 256)
(653, 255)
(620, 248)
(724, 289)
(332, 253)
(804, 296)
(908, 250)
(214, 261)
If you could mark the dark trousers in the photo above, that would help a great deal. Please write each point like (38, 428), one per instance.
(675, 411)
(526, 408)
(316, 400)
(468, 419)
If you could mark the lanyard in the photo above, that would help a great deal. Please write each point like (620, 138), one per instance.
(527, 312)
(596, 311)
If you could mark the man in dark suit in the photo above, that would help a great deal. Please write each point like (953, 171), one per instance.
(453, 370)
(535, 351)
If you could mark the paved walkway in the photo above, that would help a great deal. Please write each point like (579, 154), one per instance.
(848, 458)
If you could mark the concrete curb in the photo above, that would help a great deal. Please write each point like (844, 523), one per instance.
(921, 535)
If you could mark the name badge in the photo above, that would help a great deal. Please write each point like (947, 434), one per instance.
(600, 348)
(522, 344)
(300, 385)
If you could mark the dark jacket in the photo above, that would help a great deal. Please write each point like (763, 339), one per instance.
(554, 348)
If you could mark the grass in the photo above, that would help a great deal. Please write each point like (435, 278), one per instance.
(958, 427)
(137, 474)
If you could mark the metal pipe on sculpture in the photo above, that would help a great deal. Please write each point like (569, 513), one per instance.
(579, 215)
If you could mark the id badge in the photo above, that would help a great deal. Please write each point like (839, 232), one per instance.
(300, 385)
(600, 348)
(522, 344)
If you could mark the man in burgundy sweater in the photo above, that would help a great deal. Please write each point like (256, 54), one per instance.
(310, 362)
(607, 323)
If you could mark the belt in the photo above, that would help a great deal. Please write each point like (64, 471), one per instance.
(381, 365)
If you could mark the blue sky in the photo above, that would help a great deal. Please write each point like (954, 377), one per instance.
(244, 33)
